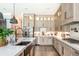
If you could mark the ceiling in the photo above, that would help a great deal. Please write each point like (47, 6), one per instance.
(36, 8)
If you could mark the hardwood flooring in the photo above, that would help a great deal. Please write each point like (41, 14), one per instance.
(45, 51)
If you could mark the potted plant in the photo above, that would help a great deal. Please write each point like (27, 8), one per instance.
(3, 33)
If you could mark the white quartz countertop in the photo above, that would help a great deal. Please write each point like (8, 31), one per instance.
(10, 50)
(72, 45)
(13, 50)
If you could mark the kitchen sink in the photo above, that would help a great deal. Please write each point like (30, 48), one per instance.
(28, 49)
(23, 43)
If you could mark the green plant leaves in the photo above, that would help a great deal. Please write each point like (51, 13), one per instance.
(5, 32)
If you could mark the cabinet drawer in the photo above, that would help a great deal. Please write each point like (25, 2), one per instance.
(75, 53)
(67, 50)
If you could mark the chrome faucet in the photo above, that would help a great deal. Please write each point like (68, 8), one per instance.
(16, 33)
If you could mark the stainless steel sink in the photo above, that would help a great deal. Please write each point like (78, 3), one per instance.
(23, 43)
(28, 49)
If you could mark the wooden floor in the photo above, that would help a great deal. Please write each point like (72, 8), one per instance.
(45, 51)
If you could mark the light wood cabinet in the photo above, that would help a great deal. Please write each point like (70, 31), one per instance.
(44, 40)
(70, 13)
(58, 46)
(74, 52)
(67, 50)
(27, 51)
(44, 21)
(54, 43)
(76, 11)
(63, 49)
(67, 12)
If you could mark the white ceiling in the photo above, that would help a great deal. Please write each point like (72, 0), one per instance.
(36, 8)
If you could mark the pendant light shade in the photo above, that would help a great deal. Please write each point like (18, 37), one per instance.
(13, 20)
(1, 15)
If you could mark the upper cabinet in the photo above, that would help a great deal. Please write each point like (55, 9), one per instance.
(44, 21)
(58, 19)
(70, 13)
(76, 11)
(66, 15)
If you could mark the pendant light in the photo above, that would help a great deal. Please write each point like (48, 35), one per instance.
(1, 16)
(13, 20)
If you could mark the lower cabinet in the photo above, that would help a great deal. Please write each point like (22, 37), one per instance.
(54, 43)
(58, 46)
(27, 51)
(74, 52)
(42, 40)
(66, 50)
(30, 50)
(63, 49)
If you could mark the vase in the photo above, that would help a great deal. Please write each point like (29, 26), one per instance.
(3, 42)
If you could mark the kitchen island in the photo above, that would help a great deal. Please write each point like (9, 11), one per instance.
(15, 50)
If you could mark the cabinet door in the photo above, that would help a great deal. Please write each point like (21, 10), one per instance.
(74, 53)
(38, 40)
(76, 11)
(48, 41)
(60, 45)
(41, 41)
(54, 43)
(67, 50)
(57, 47)
(68, 9)
(45, 41)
